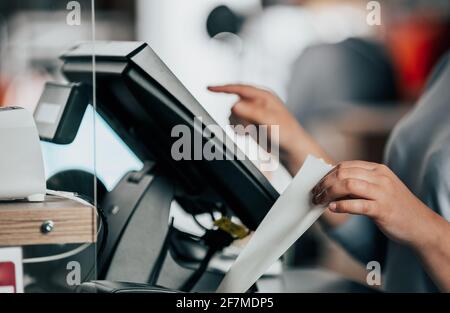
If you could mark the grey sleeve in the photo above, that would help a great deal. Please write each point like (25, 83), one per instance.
(436, 193)
(361, 238)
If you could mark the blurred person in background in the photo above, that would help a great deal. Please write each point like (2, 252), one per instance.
(387, 65)
(275, 37)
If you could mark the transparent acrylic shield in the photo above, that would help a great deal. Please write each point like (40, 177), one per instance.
(50, 244)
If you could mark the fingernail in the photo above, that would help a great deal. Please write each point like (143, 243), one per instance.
(332, 206)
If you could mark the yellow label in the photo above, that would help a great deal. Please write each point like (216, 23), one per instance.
(233, 229)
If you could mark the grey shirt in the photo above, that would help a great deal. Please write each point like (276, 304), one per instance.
(419, 153)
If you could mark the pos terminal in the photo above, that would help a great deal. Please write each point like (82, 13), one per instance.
(142, 101)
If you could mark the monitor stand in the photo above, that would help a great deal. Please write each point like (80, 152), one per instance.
(138, 211)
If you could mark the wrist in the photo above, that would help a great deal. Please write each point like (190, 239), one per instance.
(292, 161)
(429, 231)
(297, 145)
(293, 155)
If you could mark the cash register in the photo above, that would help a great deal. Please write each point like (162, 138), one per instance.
(142, 101)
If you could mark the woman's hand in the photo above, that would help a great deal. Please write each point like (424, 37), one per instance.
(261, 107)
(373, 190)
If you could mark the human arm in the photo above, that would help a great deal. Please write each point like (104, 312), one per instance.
(261, 107)
(373, 190)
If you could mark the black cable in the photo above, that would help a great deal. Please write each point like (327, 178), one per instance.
(216, 240)
(198, 223)
(213, 218)
(194, 278)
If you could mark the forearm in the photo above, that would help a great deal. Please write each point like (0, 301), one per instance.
(434, 250)
(301, 145)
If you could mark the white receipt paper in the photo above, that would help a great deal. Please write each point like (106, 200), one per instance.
(289, 218)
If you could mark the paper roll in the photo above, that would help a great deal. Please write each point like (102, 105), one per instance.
(289, 218)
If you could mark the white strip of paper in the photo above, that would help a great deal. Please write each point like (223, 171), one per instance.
(289, 218)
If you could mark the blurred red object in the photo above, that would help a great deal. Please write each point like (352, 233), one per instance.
(8, 277)
(416, 43)
(3, 88)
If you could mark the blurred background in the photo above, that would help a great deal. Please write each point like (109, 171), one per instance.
(346, 81)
